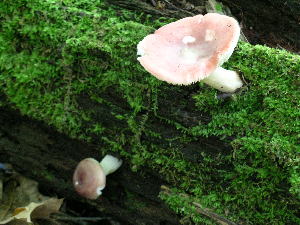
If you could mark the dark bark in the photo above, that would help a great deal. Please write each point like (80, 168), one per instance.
(275, 23)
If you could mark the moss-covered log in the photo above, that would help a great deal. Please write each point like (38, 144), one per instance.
(72, 65)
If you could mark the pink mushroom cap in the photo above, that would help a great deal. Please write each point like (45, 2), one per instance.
(189, 49)
(89, 178)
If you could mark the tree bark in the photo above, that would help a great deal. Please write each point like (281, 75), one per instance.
(275, 23)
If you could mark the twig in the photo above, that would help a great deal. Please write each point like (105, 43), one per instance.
(182, 10)
(82, 218)
(220, 219)
(1, 189)
(71, 218)
(199, 209)
(153, 2)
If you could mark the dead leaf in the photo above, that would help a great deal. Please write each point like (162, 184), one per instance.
(24, 214)
(23, 203)
(48, 207)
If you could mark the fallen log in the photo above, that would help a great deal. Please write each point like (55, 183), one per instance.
(73, 68)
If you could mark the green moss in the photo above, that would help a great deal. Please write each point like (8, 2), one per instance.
(72, 64)
(219, 7)
(265, 117)
(48, 176)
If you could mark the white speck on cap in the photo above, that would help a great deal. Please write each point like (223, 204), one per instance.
(188, 39)
(210, 35)
(189, 55)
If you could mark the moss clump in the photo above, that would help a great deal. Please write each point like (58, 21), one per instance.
(73, 65)
(264, 118)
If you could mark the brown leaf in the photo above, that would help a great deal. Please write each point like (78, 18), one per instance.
(22, 202)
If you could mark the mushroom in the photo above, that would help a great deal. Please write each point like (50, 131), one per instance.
(89, 178)
(193, 49)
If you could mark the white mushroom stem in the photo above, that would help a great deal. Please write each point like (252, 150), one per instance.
(224, 80)
(110, 164)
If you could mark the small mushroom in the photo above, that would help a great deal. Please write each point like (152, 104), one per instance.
(193, 49)
(89, 178)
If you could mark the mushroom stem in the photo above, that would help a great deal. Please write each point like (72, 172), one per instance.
(110, 164)
(224, 80)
